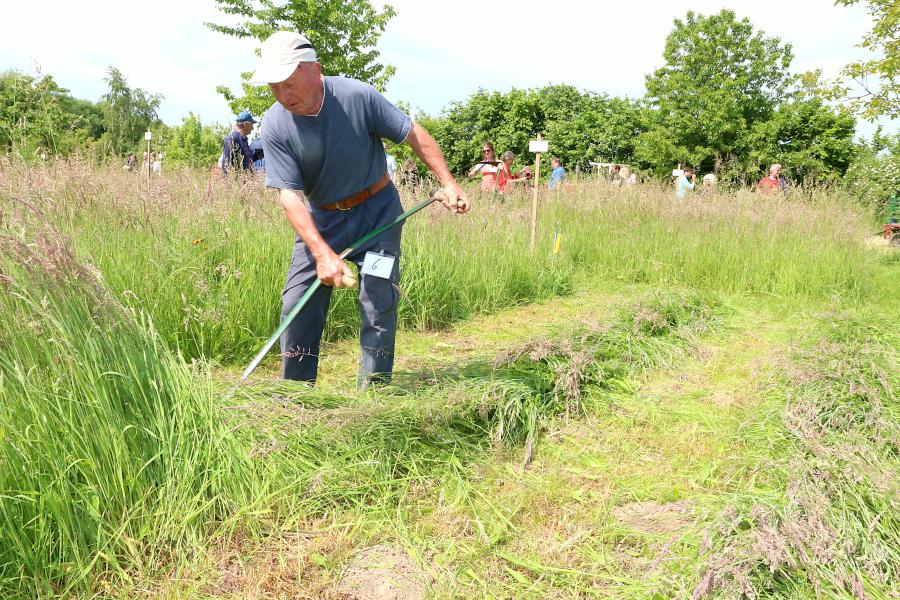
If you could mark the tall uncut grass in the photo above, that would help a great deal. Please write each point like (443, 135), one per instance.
(206, 259)
(107, 440)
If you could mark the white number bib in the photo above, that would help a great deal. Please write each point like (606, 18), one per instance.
(378, 265)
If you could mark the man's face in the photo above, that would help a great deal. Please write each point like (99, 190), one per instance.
(301, 93)
(245, 128)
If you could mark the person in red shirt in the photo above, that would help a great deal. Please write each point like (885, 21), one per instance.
(773, 182)
(505, 175)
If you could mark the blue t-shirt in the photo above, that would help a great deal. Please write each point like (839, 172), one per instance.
(338, 152)
(684, 186)
(556, 177)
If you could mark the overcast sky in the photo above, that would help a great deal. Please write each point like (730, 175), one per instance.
(442, 51)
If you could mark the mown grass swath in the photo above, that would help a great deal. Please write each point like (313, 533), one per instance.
(836, 532)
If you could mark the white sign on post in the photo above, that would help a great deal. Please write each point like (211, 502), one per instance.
(538, 146)
(148, 136)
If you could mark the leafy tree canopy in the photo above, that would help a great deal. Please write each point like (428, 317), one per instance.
(813, 140)
(38, 117)
(127, 113)
(879, 77)
(720, 78)
(874, 177)
(344, 33)
(194, 143)
(581, 126)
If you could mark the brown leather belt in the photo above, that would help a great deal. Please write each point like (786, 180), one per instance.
(360, 197)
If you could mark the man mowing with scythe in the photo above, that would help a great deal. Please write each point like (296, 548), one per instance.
(323, 148)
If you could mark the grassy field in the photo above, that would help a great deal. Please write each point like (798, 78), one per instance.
(691, 399)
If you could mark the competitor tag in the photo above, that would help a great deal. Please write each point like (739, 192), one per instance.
(379, 265)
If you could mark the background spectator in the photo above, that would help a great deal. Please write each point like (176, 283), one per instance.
(390, 161)
(487, 168)
(614, 175)
(504, 172)
(236, 154)
(773, 182)
(557, 174)
(258, 154)
(685, 182)
(410, 175)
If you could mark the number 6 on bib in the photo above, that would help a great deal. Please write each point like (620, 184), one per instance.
(378, 265)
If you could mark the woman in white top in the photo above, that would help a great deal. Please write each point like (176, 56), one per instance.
(487, 167)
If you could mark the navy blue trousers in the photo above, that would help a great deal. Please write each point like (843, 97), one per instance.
(377, 296)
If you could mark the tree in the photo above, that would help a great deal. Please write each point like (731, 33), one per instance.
(508, 120)
(344, 33)
(194, 144)
(38, 117)
(87, 115)
(720, 79)
(874, 177)
(879, 77)
(585, 126)
(581, 126)
(128, 113)
(813, 140)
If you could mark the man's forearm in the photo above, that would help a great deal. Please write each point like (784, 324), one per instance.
(427, 149)
(301, 221)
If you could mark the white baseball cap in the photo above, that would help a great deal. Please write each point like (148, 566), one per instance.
(280, 54)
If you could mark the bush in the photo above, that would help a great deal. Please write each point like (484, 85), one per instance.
(874, 177)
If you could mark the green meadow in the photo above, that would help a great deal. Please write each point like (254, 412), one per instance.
(666, 399)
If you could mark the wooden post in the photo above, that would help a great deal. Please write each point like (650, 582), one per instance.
(534, 201)
(148, 136)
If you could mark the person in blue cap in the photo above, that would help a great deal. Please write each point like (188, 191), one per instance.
(324, 153)
(236, 153)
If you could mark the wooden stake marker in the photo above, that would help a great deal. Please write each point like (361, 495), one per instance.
(537, 146)
(148, 136)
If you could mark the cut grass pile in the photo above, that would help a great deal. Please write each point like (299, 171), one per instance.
(678, 482)
(763, 467)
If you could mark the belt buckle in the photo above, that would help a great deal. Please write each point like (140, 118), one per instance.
(338, 206)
